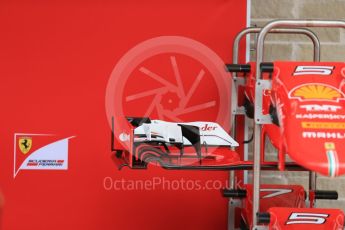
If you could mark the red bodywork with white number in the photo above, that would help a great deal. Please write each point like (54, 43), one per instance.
(287, 208)
(287, 196)
(308, 100)
(305, 218)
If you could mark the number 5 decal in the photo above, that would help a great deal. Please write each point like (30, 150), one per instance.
(313, 70)
(307, 218)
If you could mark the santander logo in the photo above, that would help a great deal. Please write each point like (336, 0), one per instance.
(207, 127)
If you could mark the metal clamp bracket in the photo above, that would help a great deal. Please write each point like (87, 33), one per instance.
(260, 86)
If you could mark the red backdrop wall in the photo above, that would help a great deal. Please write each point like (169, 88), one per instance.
(55, 61)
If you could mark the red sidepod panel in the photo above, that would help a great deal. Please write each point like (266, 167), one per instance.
(310, 103)
(306, 218)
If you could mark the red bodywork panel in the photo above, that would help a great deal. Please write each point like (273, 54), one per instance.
(290, 196)
(306, 218)
(310, 104)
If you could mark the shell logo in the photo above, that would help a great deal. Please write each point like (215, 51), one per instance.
(318, 92)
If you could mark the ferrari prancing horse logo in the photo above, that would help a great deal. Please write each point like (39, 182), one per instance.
(25, 144)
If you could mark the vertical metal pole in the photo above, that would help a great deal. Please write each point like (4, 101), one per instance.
(312, 182)
(256, 173)
(231, 216)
